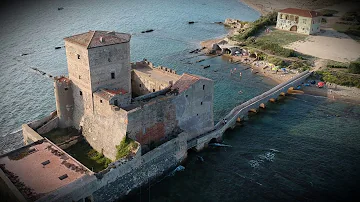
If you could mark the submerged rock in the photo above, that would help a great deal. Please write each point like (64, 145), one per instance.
(147, 31)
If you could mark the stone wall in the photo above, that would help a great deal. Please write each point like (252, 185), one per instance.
(79, 74)
(64, 101)
(52, 124)
(38, 123)
(106, 60)
(142, 84)
(30, 135)
(105, 131)
(194, 108)
(124, 177)
(153, 121)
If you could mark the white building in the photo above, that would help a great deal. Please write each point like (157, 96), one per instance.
(299, 20)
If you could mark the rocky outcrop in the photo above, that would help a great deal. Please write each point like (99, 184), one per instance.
(235, 24)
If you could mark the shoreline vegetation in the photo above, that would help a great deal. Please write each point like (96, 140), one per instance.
(267, 52)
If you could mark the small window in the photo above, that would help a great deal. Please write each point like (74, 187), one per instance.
(63, 177)
(139, 85)
(203, 87)
(115, 102)
(109, 60)
(79, 76)
(153, 90)
(200, 103)
(81, 93)
(78, 56)
(66, 89)
(100, 101)
(112, 75)
(197, 114)
(186, 95)
(45, 162)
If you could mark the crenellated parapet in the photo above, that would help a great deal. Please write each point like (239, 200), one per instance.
(64, 100)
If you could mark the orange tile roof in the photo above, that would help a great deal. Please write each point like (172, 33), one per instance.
(301, 12)
(185, 81)
(93, 39)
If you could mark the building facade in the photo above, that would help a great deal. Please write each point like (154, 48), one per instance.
(299, 20)
(102, 95)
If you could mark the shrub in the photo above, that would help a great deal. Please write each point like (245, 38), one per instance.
(328, 12)
(98, 158)
(257, 25)
(276, 61)
(354, 67)
(350, 16)
(301, 66)
(273, 48)
(126, 146)
(340, 78)
(335, 64)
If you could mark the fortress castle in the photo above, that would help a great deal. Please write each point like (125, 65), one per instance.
(105, 96)
(107, 99)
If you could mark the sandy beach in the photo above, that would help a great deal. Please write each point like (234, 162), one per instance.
(324, 45)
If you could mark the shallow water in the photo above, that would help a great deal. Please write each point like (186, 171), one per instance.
(36, 27)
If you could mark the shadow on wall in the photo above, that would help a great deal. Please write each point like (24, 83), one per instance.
(138, 87)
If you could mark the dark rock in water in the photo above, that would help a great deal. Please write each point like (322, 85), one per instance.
(191, 22)
(200, 60)
(60, 8)
(206, 66)
(147, 31)
(57, 47)
(23, 54)
(220, 23)
(194, 51)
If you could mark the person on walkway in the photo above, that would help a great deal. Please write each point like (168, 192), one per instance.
(240, 74)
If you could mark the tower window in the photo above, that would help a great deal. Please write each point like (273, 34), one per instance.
(203, 87)
(100, 101)
(153, 90)
(79, 76)
(66, 89)
(109, 60)
(78, 56)
(201, 103)
(186, 95)
(139, 85)
(81, 93)
(112, 75)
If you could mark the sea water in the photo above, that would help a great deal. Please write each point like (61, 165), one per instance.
(296, 149)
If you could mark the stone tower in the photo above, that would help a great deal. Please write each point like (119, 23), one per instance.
(96, 59)
(64, 101)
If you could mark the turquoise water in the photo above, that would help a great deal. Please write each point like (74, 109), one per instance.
(295, 150)
(36, 27)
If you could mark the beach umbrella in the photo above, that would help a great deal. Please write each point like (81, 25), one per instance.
(321, 84)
